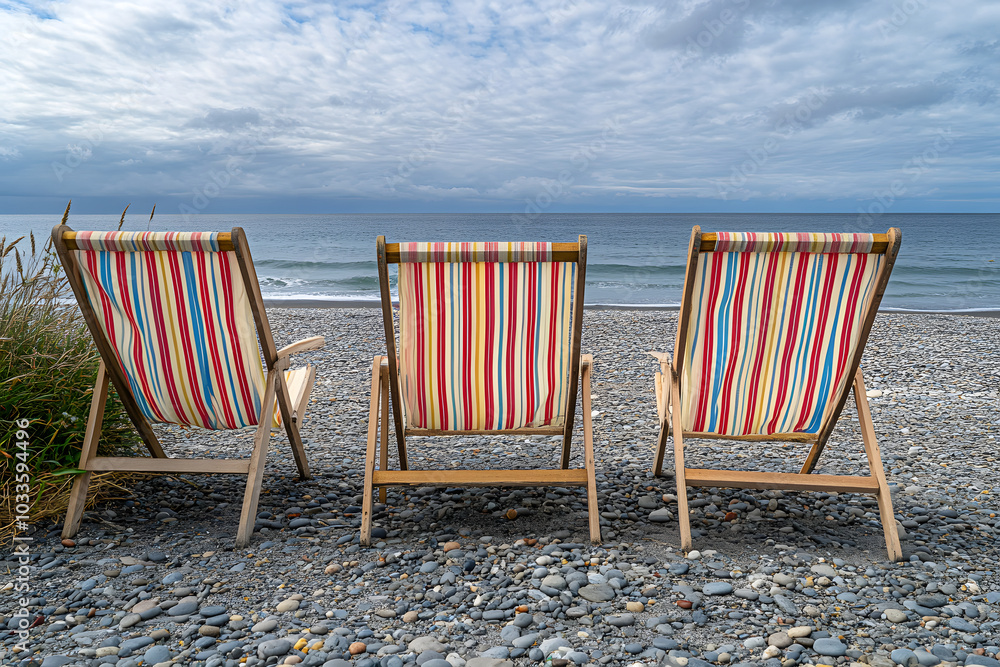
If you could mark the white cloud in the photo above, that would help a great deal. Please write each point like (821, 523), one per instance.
(480, 101)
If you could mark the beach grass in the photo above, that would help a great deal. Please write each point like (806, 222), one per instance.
(48, 365)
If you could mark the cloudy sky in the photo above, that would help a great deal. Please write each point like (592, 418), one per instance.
(500, 105)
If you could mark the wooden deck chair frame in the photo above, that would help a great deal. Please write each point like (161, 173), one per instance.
(276, 389)
(668, 405)
(385, 389)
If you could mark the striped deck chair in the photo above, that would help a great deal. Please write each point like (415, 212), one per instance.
(489, 343)
(769, 342)
(177, 317)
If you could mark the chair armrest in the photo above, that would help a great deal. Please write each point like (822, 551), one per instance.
(666, 363)
(303, 345)
(586, 360)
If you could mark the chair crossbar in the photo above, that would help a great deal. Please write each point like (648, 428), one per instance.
(737, 479)
(187, 466)
(556, 477)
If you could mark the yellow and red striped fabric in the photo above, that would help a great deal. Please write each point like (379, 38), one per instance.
(774, 324)
(414, 253)
(484, 335)
(177, 315)
(148, 241)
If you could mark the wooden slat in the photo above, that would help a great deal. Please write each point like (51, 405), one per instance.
(288, 419)
(683, 514)
(558, 477)
(304, 345)
(255, 466)
(252, 287)
(574, 354)
(225, 241)
(593, 516)
(144, 464)
(664, 393)
(78, 496)
(879, 247)
(390, 343)
(894, 551)
(790, 481)
(373, 404)
(561, 252)
(539, 430)
(383, 461)
(753, 437)
(694, 247)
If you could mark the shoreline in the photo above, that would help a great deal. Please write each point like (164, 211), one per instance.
(372, 303)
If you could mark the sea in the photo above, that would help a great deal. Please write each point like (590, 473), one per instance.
(946, 263)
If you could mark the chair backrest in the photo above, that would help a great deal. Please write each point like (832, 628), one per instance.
(774, 326)
(488, 333)
(175, 312)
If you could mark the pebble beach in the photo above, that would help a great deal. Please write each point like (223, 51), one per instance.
(493, 577)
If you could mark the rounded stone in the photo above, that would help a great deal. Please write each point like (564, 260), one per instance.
(895, 615)
(286, 605)
(717, 588)
(830, 646)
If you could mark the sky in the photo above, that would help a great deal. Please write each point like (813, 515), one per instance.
(500, 105)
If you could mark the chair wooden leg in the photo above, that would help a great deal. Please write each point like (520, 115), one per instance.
(661, 447)
(663, 398)
(593, 516)
(255, 476)
(400, 436)
(300, 409)
(567, 447)
(77, 503)
(78, 495)
(875, 465)
(289, 419)
(682, 500)
(384, 432)
(373, 407)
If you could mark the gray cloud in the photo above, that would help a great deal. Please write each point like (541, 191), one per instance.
(227, 120)
(867, 104)
(461, 102)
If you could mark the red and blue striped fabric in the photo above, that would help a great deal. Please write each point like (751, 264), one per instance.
(177, 315)
(410, 253)
(775, 321)
(148, 241)
(793, 242)
(484, 335)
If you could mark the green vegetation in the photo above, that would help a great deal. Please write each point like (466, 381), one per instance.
(48, 366)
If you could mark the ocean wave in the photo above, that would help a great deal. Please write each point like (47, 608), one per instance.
(360, 267)
(357, 282)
